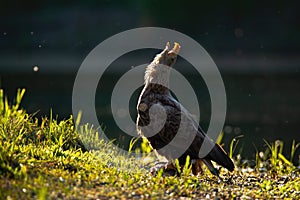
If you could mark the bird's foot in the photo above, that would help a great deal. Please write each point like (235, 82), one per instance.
(168, 169)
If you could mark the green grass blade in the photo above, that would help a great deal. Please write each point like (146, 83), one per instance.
(284, 159)
(220, 137)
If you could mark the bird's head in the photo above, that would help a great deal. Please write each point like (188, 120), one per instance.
(168, 57)
(156, 72)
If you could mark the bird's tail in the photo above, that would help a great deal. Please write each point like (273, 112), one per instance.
(218, 155)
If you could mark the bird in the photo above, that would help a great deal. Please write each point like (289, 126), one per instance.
(160, 116)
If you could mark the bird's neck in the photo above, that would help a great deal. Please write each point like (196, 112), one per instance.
(157, 79)
(157, 75)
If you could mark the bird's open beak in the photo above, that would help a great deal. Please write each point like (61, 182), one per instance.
(175, 49)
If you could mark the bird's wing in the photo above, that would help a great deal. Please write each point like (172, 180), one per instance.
(193, 132)
(180, 129)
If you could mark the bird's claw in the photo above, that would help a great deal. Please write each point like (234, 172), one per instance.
(162, 165)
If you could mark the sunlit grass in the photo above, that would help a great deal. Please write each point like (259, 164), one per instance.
(51, 159)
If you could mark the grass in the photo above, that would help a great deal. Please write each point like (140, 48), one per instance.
(46, 159)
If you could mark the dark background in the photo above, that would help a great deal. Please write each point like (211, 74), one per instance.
(256, 47)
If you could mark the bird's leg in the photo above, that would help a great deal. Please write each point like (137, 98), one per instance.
(197, 166)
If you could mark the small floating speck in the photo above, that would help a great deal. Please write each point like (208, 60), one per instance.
(121, 113)
(61, 179)
(40, 46)
(24, 190)
(237, 130)
(36, 68)
(228, 129)
(31, 33)
(238, 32)
(4, 33)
